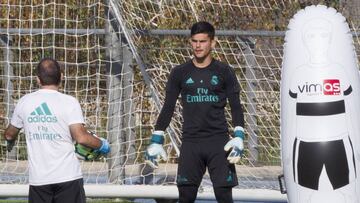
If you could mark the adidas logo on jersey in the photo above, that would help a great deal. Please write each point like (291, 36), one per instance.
(42, 114)
(189, 81)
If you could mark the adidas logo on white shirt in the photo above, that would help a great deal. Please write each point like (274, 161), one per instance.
(42, 114)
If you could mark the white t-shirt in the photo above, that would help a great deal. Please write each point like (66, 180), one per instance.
(315, 87)
(45, 116)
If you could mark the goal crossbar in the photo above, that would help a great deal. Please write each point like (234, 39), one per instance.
(151, 191)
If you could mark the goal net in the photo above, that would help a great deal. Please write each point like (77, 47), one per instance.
(117, 56)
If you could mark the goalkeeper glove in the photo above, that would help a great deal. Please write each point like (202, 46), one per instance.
(155, 151)
(10, 144)
(236, 144)
(87, 153)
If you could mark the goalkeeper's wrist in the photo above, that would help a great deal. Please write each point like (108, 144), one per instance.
(158, 137)
(9, 140)
(239, 132)
(104, 148)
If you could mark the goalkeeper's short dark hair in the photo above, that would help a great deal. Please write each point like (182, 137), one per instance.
(203, 27)
(49, 72)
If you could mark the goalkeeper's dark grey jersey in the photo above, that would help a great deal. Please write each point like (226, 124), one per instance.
(204, 93)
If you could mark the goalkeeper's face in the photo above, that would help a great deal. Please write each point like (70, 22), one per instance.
(201, 45)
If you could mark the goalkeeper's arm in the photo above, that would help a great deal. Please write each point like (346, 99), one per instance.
(237, 113)
(83, 137)
(155, 151)
(10, 135)
(236, 144)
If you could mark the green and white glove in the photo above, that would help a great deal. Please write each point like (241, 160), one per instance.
(155, 151)
(85, 153)
(236, 145)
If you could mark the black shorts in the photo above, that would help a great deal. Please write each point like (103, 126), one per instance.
(69, 192)
(196, 156)
(313, 156)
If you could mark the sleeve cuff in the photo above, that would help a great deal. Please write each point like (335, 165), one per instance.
(158, 132)
(239, 132)
(239, 128)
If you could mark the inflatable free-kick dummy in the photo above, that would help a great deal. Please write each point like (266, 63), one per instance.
(320, 104)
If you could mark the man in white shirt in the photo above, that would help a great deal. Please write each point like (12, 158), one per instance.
(51, 122)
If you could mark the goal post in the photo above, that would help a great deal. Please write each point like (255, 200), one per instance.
(117, 56)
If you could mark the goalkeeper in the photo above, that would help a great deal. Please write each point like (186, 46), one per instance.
(51, 121)
(205, 85)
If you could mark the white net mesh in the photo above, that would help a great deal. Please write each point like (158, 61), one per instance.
(103, 50)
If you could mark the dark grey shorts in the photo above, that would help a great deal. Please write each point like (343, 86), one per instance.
(69, 192)
(195, 157)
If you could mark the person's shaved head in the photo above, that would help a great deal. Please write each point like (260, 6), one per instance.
(49, 72)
